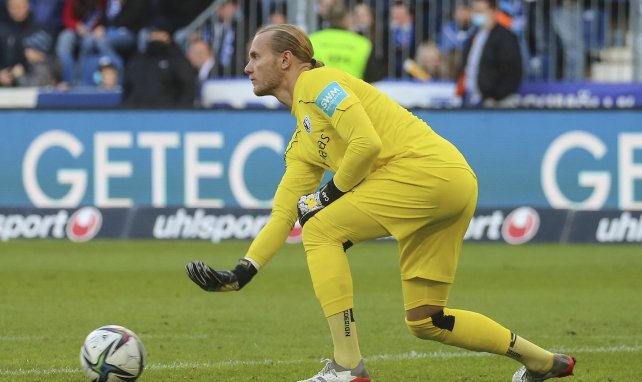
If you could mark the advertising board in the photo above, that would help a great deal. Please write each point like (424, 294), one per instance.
(520, 225)
(562, 159)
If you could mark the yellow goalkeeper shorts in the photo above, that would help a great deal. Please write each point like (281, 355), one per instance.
(429, 218)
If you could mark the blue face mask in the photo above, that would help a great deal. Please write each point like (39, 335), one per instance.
(479, 19)
(98, 77)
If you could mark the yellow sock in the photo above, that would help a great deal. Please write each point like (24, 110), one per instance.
(464, 329)
(474, 331)
(532, 356)
(344, 337)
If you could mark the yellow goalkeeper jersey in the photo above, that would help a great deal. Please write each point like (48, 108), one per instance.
(339, 118)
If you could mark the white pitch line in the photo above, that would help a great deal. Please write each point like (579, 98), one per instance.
(20, 338)
(154, 336)
(27, 338)
(381, 357)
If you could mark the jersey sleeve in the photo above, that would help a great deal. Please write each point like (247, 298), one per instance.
(338, 102)
(300, 178)
(364, 144)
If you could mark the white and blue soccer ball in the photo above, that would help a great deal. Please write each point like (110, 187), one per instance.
(112, 353)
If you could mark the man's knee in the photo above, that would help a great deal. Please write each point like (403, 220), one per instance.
(434, 328)
(318, 231)
(312, 232)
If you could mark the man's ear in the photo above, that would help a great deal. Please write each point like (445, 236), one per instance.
(287, 59)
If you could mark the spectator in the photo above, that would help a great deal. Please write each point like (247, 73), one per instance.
(363, 21)
(48, 13)
(324, 9)
(121, 22)
(41, 68)
(19, 24)
(277, 17)
(568, 24)
(80, 18)
(201, 58)
(268, 12)
(339, 47)
(161, 76)
(511, 15)
(402, 34)
(429, 60)
(178, 14)
(454, 36)
(107, 75)
(545, 60)
(225, 39)
(114, 37)
(492, 66)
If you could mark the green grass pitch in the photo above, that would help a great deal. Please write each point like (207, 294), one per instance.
(585, 300)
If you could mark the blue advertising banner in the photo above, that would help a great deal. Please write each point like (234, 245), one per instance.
(561, 159)
(519, 225)
(215, 159)
(125, 159)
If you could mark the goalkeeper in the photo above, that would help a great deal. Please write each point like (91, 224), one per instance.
(393, 175)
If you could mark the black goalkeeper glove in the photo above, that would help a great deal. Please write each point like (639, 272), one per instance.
(212, 280)
(309, 205)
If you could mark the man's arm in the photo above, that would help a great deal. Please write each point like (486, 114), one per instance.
(299, 178)
(354, 126)
(510, 66)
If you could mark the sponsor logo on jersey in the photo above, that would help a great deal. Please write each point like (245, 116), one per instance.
(84, 224)
(624, 228)
(330, 97)
(307, 124)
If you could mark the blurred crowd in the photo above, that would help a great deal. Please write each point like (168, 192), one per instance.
(152, 50)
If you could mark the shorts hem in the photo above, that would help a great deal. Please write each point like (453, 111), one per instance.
(337, 306)
(432, 277)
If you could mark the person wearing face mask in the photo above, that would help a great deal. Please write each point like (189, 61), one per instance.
(162, 76)
(491, 70)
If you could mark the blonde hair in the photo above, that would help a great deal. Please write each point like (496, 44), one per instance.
(288, 37)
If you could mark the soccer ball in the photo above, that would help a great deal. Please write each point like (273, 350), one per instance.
(112, 353)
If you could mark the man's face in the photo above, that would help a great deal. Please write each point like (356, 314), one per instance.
(324, 7)
(481, 10)
(400, 15)
(18, 9)
(199, 53)
(362, 15)
(262, 67)
(462, 15)
(226, 12)
(160, 36)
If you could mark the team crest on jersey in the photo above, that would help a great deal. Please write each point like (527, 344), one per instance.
(307, 124)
